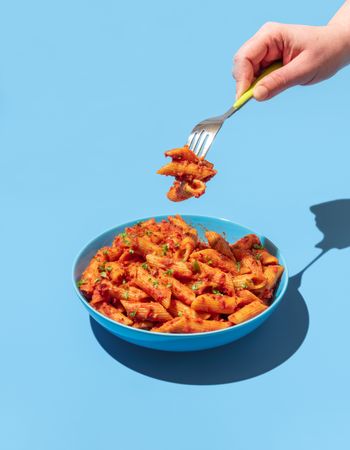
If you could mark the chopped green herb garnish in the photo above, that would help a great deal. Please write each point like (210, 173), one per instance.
(101, 267)
(195, 286)
(238, 266)
(244, 286)
(149, 233)
(209, 262)
(144, 266)
(109, 268)
(97, 280)
(125, 238)
(215, 291)
(131, 251)
(169, 272)
(169, 285)
(179, 313)
(165, 249)
(258, 256)
(155, 283)
(125, 295)
(103, 274)
(177, 245)
(133, 313)
(81, 282)
(258, 246)
(105, 252)
(195, 266)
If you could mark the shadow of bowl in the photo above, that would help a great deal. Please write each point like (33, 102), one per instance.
(266, 348)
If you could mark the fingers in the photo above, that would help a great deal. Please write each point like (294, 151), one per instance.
(257, 52)
(243, 74)
(293, 73)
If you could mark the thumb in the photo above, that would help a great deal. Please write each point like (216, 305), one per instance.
(293, 73)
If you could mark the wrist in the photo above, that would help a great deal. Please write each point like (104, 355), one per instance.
(339, 35)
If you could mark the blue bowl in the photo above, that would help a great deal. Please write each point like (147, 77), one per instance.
(180, 342)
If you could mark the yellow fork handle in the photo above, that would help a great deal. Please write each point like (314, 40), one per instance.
(248, 94)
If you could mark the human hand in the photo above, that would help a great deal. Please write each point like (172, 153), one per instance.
(309, 54)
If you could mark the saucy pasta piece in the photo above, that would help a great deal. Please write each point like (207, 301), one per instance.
(186, 324)
(191, 174)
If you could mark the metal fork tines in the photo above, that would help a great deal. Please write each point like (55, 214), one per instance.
(203, 134)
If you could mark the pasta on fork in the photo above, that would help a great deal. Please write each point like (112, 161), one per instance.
(190, 172)
(160, 277)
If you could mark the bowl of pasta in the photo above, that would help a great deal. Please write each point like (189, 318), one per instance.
(180, 283)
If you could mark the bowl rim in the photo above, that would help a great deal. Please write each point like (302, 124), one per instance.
(267, 312)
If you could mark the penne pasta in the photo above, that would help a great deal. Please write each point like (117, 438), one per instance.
(150, 311)
(113, 313)
(249, 281)
(218, 278)
(178, 269)
(217, 242)
(149, 284)
(215, 304)
(189, 325)
(215, 259)
(178, 309)
(272, 275)
(190, 172)
(160, 277)
(247, 312)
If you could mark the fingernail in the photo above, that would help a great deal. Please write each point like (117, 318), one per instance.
(260, 92)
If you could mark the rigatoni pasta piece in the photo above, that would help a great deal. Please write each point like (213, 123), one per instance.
(178, 289)
(89, 278)
(145, 325)
(152, 287)
(244, 297)
(272, 275)
(187, 246)
(113, 313)
(247, 312)
(182, 225)
(115, 271)
(215, 304)
(179, 269)
(245, 243)
(178, 309)
(190, 172)
(215, 259)
(265, 257)
(249, 281)
(186, 324)
(222, 280)
(182, 153)
(108, 254)
(251, 263)
(217, 242)
(150, 311)
(110, 292)
(144, 246)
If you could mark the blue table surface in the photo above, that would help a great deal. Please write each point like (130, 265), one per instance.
(91, 94)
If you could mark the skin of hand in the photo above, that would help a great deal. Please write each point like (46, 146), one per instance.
(309, 54)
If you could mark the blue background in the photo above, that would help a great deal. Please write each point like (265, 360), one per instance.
(91, 94)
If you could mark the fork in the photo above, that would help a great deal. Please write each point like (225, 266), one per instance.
(203, 134)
